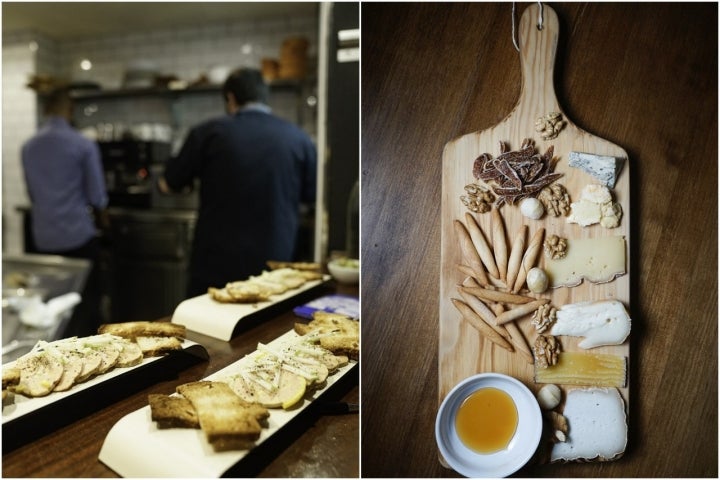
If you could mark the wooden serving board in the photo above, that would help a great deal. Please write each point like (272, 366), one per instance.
(462, 350)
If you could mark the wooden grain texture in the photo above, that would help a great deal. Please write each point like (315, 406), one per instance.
(643, 76)
(463, 351)
(322, 446)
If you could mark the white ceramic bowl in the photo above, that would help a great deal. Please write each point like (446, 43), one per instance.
(521, 447)
(342, 273)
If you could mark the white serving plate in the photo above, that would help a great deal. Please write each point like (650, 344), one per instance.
(134, 445)
(204, 315)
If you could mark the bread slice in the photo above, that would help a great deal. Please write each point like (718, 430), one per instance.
(172, 411)
(337, 333)
(130, 330)
(304, 266)
(239, 292)
(153, 346)
(226, 419)
(597, 426)
(247, 292)
(347, 345)
(326, 322)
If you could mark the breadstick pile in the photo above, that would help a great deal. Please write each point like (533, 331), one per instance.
(492, 295)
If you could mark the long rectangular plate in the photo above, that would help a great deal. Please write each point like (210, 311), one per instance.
(135, 447)
(204, 315)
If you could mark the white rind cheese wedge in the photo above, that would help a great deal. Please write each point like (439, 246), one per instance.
(597, 426)
(597, 260)
(605, 322)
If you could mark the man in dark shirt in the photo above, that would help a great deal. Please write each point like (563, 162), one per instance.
(254, 169)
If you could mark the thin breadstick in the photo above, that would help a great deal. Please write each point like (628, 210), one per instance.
(520, 311)
(482, 327)
(481, 245)
(497, 296)
(529, 259)
(519, 341)
(500, 247)
(480, 276)
(467, 247)
(483, 312)
(516, 337)
(516, 255)
(496, 282)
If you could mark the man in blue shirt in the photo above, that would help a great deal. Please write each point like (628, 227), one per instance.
(66, 186)
(254, 169)
(65, 181)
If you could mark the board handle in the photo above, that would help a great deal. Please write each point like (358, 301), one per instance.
(538, 48)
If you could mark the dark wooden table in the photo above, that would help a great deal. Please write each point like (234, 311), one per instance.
(643, 76)
(320, 446)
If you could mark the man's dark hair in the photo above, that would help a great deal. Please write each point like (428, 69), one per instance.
(58, 101)
(247, 85)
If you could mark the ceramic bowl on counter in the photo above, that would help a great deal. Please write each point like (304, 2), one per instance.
(489, 425)
(345, 270)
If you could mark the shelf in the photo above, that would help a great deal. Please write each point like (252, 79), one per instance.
(294, 86)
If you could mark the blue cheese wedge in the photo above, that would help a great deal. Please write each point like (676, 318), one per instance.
(604, 168)
(605, 322)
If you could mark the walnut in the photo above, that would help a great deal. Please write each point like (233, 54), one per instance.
(544, 317)
(559, 426)
(478, 199)
(555, 247)
(546, 350)
(555, 199)
(550, 125)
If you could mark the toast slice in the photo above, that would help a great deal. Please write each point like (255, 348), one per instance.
(172, 411)
(337, 333)
(304, 266)
(229, 422)
(131, 330)
(153, 346)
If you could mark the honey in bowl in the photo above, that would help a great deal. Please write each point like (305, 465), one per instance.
(486, 420)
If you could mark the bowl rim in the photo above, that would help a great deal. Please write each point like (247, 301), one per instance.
(522, 446)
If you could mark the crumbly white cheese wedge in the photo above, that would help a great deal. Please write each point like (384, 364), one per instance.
(604, 168)
(604, 322)
(597, 260)
(597, 426)
(595, 206)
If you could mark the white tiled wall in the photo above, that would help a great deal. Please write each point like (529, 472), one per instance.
(19, 121)
(184, 52)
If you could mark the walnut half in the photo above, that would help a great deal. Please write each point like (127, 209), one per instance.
(478, 199)
(546, 350)
(555, 199)
(555, 247)
(544, 317)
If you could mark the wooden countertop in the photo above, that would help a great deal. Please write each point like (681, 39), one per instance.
(643, 76)
(322, 446)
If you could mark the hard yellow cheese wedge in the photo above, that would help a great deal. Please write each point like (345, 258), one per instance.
(590, 369)
(596, 260)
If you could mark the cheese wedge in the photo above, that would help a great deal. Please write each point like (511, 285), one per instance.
(601, 323)
(597, 426)
(597, 260)
(589, 369)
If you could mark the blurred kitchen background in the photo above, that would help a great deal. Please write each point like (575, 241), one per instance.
(142, 75)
